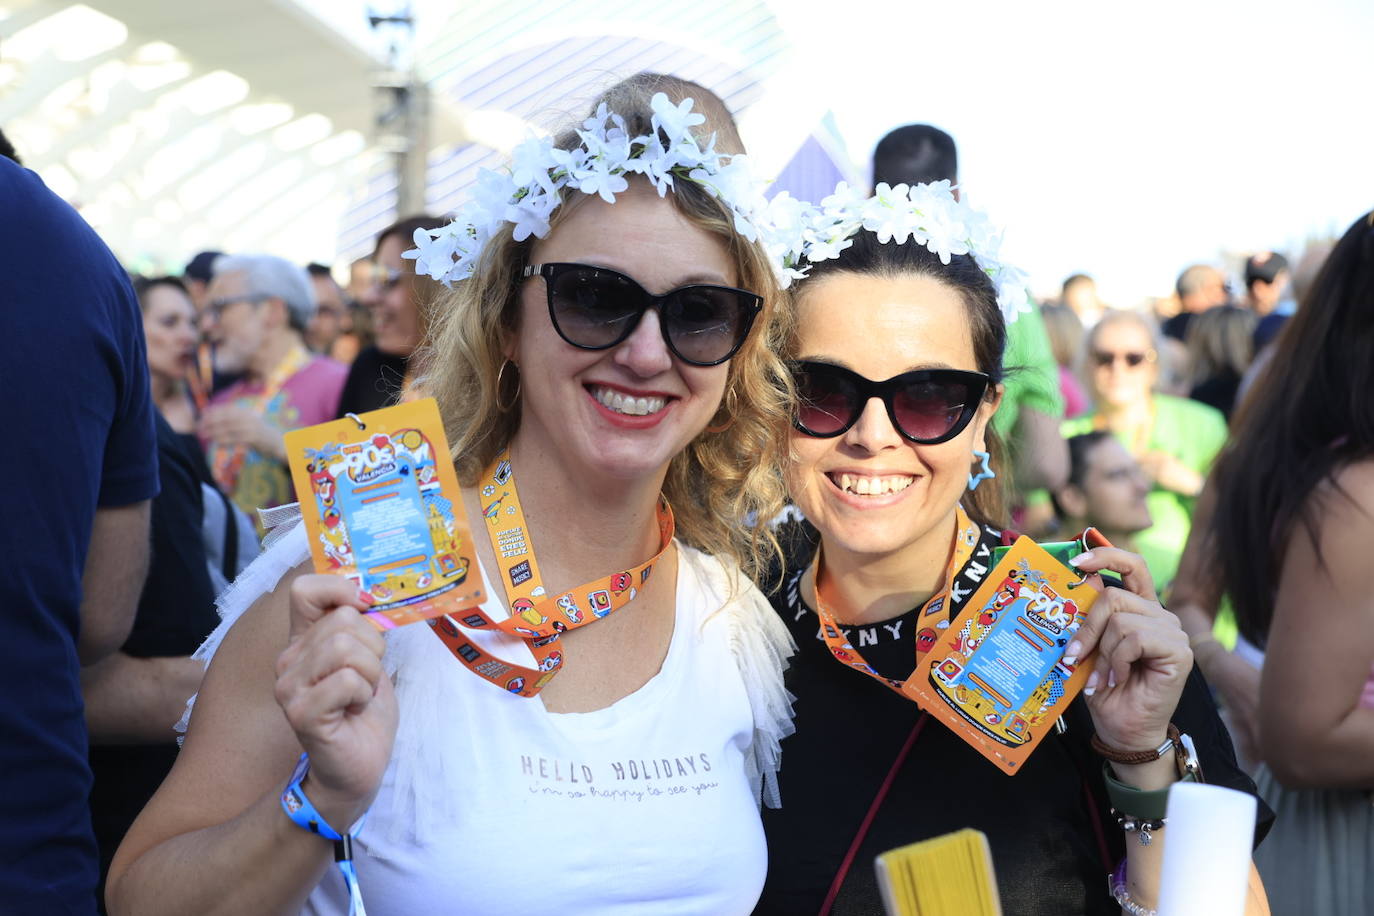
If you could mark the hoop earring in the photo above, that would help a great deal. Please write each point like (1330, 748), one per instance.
(984, 473)
(731, 408)
(500, 380)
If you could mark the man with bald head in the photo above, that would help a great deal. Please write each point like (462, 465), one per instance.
(1200, 287)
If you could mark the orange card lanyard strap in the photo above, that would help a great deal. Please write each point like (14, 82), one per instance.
(968, 536)
(229, 461)
(535, 617)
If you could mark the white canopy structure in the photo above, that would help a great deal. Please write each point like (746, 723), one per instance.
(275, 125)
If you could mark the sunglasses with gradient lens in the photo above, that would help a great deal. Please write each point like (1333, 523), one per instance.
(1132, 360)
(927, 406)
(594, 308)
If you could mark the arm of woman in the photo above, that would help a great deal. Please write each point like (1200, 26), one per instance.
(1194, 597)
(1143, 664)
(1313, 730)
(1141, 667)
(214, 839)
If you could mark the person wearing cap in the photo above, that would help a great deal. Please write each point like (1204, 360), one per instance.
(1267, 288)
(1266, 282)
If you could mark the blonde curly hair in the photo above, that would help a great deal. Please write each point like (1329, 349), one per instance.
(725, 486)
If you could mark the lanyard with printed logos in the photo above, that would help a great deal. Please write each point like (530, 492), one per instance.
(968, 535)
(227, 462)
(535, 617)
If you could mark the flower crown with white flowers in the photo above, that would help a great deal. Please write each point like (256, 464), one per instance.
(924, 214)
(794, 233)
(528, 194)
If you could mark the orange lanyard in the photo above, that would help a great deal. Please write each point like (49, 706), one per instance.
(966, 539)
(202, 380)
(535, 617)
(228, 462)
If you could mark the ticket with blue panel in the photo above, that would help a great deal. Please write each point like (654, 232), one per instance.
(996, 674)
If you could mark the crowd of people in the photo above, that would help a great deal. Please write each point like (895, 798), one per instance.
(832, 441)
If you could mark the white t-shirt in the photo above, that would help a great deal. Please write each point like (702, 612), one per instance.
(646, 806)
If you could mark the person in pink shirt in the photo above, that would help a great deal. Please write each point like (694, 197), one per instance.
(258, 309)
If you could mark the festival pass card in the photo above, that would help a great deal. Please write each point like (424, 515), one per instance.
(382, 507)
(996, 675)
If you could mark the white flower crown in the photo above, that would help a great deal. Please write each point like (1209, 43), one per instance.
(925, 214)
(794, 233)
(529, 192)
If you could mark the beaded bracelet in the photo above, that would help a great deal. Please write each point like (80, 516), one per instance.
(1116, 886)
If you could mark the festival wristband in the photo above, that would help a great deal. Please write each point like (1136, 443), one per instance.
(304, 815)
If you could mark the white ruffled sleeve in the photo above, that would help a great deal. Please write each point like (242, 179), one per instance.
(286, 548)
(761, 645)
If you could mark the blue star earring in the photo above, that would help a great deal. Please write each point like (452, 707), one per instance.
(984, 473)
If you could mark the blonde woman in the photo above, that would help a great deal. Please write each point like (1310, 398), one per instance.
(616, 351)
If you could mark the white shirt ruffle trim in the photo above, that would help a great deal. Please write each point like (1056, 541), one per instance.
(758, 638)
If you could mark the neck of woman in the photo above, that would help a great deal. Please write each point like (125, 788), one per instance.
(582, 527)
(867, 588)
(164, 388)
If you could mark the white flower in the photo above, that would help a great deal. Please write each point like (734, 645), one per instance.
(531, 156)
(530, 213)
(890, 198)
(827, 249)
(842, 200)
(602, 182)
(945, 233)
(676, 121)
(433, 252)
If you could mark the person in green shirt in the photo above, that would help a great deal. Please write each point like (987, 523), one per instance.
(1174, 439)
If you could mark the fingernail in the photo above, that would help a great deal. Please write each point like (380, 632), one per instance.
(1086, 555)
(1111, 679)
(1091, 687)
(366, 597)
(1074, 650)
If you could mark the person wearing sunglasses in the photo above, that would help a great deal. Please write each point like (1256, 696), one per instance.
(1174, 439)
(399, 303)
(897, 360)
(605, 359)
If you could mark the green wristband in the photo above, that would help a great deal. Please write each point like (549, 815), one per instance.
(1138, 803)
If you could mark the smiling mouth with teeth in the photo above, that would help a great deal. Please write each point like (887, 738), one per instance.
(627, 404)
(872, 486)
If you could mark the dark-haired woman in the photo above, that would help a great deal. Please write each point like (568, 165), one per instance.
(898, 364)
(398, 302)
(1287, 539)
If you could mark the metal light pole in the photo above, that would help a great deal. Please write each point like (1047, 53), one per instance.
(401, 119)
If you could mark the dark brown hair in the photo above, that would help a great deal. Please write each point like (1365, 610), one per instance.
(1298, 428)
(868, 256)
